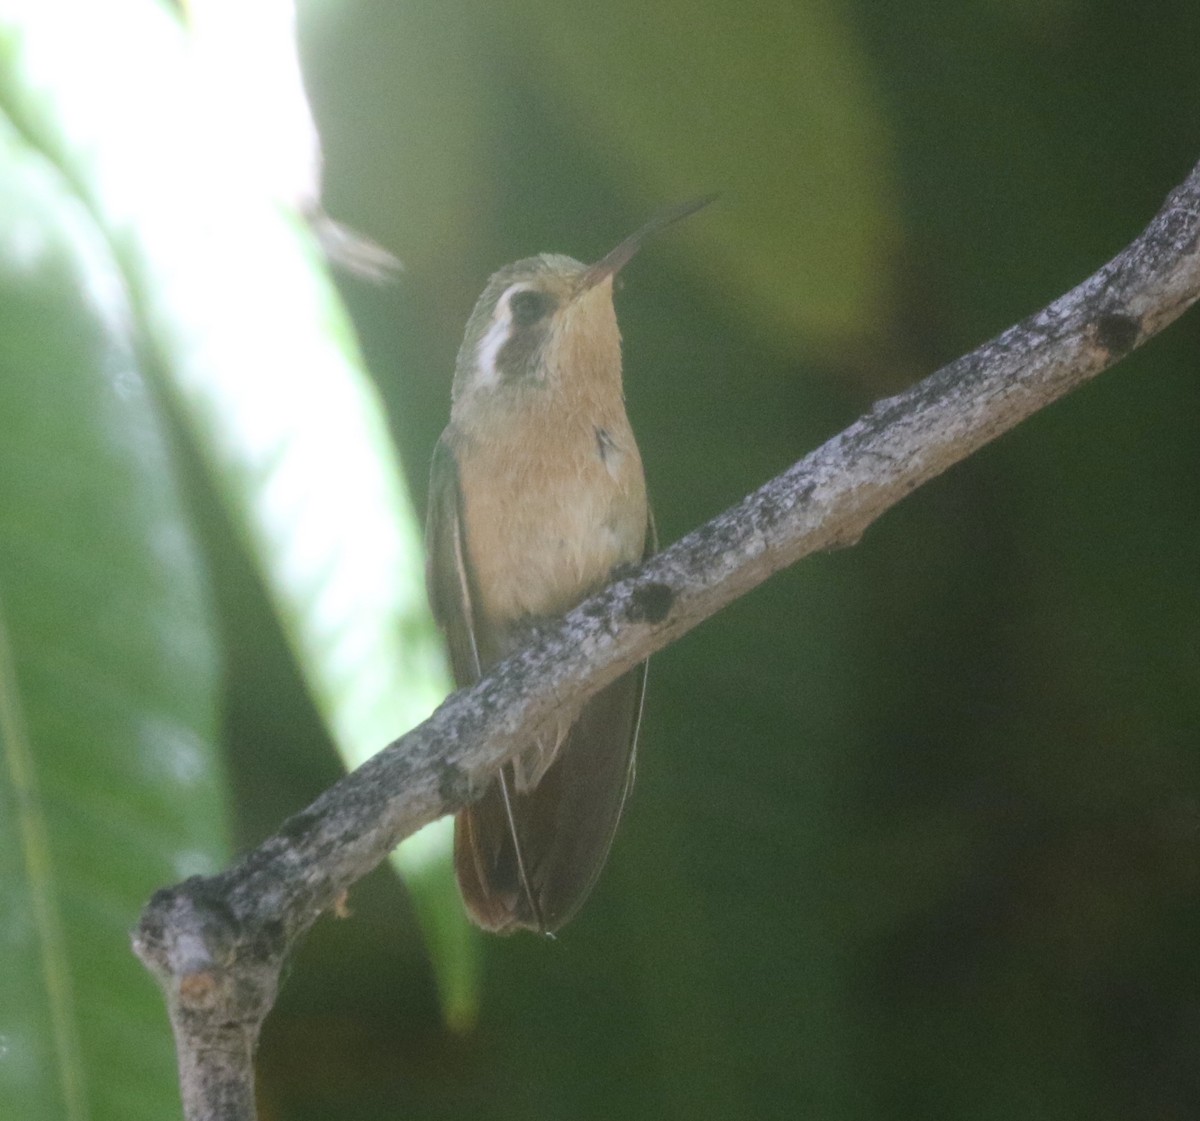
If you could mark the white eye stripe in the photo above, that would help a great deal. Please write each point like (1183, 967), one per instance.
(508, 293)
(489, 350)
(496, 336)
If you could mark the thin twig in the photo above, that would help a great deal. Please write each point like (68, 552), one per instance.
(217, 944)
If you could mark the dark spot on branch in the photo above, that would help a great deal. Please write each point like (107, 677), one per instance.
(1118, 334)
(209, 898)
(270, 942)
(198, 905)
(768, 511)
(297, 825)
(772, 506)
(161, 901)
(650, 603)
(598, 610)
(454, 788)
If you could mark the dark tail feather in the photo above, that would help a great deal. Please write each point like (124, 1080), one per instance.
(564, 826)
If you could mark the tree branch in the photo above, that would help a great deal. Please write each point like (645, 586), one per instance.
(216, 945)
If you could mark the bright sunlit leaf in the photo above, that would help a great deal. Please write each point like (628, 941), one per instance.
(256, 351)
(110, 776)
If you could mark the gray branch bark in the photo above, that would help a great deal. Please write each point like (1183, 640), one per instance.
(216, 944)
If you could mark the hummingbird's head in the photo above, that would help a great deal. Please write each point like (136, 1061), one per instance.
(539, 321)
(548, 321)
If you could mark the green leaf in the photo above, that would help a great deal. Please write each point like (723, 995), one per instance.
(793, 137)
(433, 152)
(260, 359)
(109, 775)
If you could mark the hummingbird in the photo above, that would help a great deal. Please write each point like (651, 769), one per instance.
(536, 498)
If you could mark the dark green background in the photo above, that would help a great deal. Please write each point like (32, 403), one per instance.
(915, 830)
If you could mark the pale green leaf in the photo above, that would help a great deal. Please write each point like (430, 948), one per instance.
(257, 353)
(768, 102)
(110, 781)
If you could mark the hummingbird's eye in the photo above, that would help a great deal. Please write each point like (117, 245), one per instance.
(528, 305)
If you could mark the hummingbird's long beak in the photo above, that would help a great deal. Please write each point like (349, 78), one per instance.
(616, 259)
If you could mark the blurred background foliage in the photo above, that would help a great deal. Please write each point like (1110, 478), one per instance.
(915, 831)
